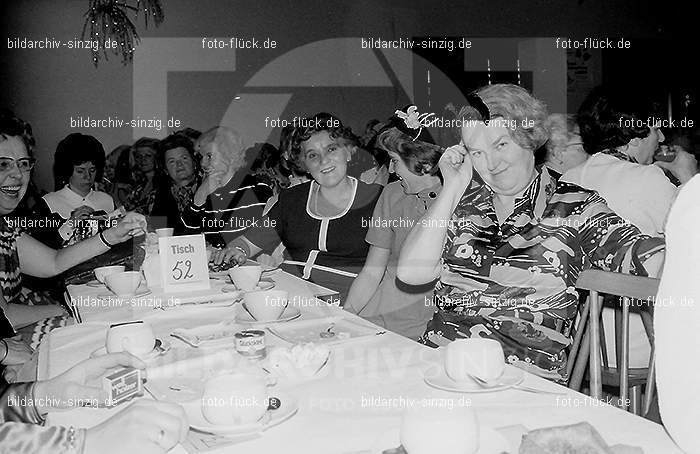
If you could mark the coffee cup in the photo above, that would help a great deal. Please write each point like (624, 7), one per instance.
(440, 429)
(482, 358)
(235, 399)
(124, 283)
(266, 305)
(102, 271)
(165, 232)
(245, 277)
(136, 338)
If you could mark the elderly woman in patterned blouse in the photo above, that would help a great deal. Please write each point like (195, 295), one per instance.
(508, 242)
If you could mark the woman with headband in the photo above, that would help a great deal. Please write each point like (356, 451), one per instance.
(376, 294)
(507, 251)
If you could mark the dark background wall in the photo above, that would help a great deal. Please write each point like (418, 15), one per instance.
(48, 87)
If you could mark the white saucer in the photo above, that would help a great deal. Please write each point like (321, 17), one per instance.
(437, 378)
(94, 283)
(141, 291)
(290, 313)
(262, 285)
(490, 442)
(160, 348)
(289, 406)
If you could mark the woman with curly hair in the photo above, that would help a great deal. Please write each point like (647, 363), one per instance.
(78, 163)
(322, 223)
(376, 294)
(507, 247)
(229, 199)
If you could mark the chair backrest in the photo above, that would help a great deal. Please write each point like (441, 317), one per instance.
(636, 287)
(626, 286)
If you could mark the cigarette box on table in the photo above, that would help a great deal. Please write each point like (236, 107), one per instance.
(122, 385)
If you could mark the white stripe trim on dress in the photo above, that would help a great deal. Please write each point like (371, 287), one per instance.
(310, 261)
(322, 268)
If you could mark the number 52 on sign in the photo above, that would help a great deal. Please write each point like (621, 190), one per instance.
(184, 263)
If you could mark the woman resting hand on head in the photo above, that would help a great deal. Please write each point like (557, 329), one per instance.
(508, 241)
(376, 294)
(20, 252)
(323, 222)
(228, 199)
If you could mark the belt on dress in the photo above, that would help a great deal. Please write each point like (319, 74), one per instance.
(307, 267)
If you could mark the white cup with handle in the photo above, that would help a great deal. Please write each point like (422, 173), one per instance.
(478, 357)
(136, 338)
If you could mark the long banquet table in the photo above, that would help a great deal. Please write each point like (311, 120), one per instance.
(347, 408)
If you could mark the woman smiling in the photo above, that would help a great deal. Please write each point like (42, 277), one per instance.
(19, 252)
(319, 222)
(508, 259)
(376, 294)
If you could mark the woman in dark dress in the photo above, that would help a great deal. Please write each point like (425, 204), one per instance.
(177, 159)
(322, 223)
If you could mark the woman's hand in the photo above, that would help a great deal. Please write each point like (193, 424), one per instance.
(231, 253)
(82, 383)
(81, 212)
(211, 182)
(132, 224)
(684, 166)
(145, 427)
(18, 352)
(456, 168)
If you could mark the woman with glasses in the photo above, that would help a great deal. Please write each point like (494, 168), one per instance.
(229, 199)
(79, 162)
(19, 251)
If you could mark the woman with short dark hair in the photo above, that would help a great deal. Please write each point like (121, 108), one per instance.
(75, 205)
(176, 157)
(376, 294)
(319, 222)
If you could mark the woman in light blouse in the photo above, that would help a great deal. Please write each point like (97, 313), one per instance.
(376, 294)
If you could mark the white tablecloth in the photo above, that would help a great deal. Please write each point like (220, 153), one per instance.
(341, 411)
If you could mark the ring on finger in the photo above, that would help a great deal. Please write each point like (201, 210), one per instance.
(160, 437)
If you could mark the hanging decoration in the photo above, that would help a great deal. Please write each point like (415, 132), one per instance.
(107, 22)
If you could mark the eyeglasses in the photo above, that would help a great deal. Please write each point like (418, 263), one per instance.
(23, 164)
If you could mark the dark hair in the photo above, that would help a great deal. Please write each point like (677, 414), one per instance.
(13, 126)
(74, 150)
(608, 120)
(312, 125)
(420, 157)
(176, 140)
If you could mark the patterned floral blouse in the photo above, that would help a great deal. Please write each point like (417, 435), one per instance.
(515, 282)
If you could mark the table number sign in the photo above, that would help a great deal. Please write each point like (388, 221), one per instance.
(183, 262)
